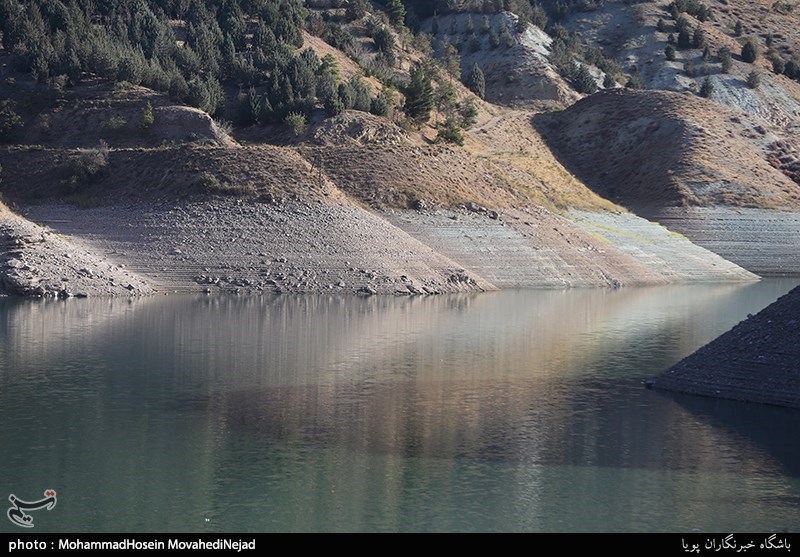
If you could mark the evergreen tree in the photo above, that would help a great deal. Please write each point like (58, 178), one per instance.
(494, 40)
(778, 65)
(725, 59)
(584, 82)
(476, 81)
(396, 12)
(147, 116)
(706, 88)
(738, 29)
(419, 94)
(792, 69)
(356, 9)
(684, 39)
(669, 52)
(749, 51)
(698, 37)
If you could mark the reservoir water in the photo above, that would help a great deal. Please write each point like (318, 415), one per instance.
(503, 411)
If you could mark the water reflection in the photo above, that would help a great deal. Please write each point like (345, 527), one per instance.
(501, 411)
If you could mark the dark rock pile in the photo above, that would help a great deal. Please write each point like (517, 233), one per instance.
(756, 361)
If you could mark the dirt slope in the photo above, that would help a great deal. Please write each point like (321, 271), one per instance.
(646, 148)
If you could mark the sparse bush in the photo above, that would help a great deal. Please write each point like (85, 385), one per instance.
(115, 124)
(634, 82)
(10, 122)
(778, 65)
(147, 116)
(87, 166)
(753, 79)
(208, 182)
(689, 68)
(296, 123)
(706, 88)
(449, 132)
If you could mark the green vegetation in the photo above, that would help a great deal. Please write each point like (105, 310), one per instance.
(449, 132)
(419, 94)
(476, 82)
(706, 88)
(753, 79)
(10, 122)
(750, 51)
(147, 116)
(85, 167)
(725, 59)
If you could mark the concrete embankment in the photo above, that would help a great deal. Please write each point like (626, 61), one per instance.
(756, 361)
(312, 246)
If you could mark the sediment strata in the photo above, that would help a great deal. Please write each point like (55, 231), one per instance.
(760, 240)
(298, 246)
(756, 361)
(36, 261)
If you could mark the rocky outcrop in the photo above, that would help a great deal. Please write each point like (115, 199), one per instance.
(756, 361)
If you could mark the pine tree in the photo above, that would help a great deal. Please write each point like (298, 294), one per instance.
(584, 82)
(706, 88)
(476, 81)
(725, 59)
(396, 12)
(147, 116)
(669, 52)
(419, 94)
(749, 51)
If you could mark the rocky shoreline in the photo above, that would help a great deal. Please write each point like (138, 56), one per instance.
(276, 245)
(756, 361)
(35, 261)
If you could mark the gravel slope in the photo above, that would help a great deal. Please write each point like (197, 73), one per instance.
(756, 361)
(315, 246)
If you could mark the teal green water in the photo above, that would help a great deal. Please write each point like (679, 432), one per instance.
(506, 411)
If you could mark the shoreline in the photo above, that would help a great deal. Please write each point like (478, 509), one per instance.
(312, 246)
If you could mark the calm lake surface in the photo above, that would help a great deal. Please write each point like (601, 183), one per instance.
(506, 411)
